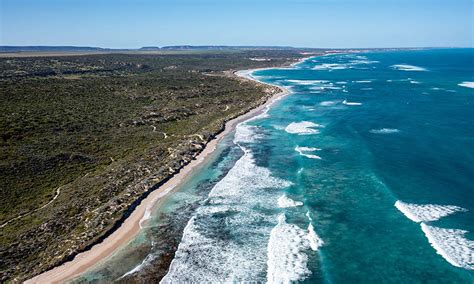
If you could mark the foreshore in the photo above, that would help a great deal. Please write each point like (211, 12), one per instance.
(132, 225)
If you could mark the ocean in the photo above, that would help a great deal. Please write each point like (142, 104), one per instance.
(364, 173)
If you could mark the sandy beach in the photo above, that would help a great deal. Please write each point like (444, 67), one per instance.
(132, 225)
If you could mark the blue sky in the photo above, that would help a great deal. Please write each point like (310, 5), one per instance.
(304, 23)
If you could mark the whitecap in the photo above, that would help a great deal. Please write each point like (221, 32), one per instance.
(364, 61)
(406, 67)
(308, 82)
(244, 175)
(285, 202)
(314, 240)
(302, 150)
(330, 66)
(351, 103)
(414, 82)
(451, 245)
(426, 212)
(363, 81)
(467, 84)
(384, 131)
(329, 103)
(303, 128)
(245, 133)
(322, 88)
(287, 260)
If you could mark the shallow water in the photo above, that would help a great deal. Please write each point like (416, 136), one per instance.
(364, 174)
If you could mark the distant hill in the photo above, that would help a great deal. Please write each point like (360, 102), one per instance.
(149, 48)
(222, 47)
(145, 48)
(50, 48)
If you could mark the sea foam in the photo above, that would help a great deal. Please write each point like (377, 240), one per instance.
(384, 131)
(451, 245)
(467, 84)
(303, 128)
(287, 246)
(285, 202)
(308, 82)
(426, 212)
(329, 103)
(148, 210)
(302, 150)
(314, 240)
(330, 66)
(406, 67)
(351, 103)
(149, 258)
(245, 133)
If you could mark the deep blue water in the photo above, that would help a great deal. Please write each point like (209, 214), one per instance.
(307, 192)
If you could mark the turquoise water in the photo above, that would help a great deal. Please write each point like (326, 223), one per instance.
(365, 173)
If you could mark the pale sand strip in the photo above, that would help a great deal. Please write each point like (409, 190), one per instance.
(131, 226)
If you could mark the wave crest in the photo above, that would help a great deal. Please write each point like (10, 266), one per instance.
(303, 128)
(285, 202)
(302, 150)
(426, 212)
(451, 245)
(467, 84)
(287, 260)
(406, 67)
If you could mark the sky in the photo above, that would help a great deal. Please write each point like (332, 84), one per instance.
(299, 23)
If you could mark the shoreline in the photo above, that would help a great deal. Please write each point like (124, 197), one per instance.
(132, 225)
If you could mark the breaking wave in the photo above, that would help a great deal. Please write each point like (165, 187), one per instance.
(467, 84)
(329, 103)
(341, 66)
(301, 151)
(451, 245)
(245, 133)
(426, 212)
(308, 82)
(287, 260)
(406, 67)
(351, 103)
(330, 66)
(285, 202)
(149, 258)
(314, 240)
(303, 128)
